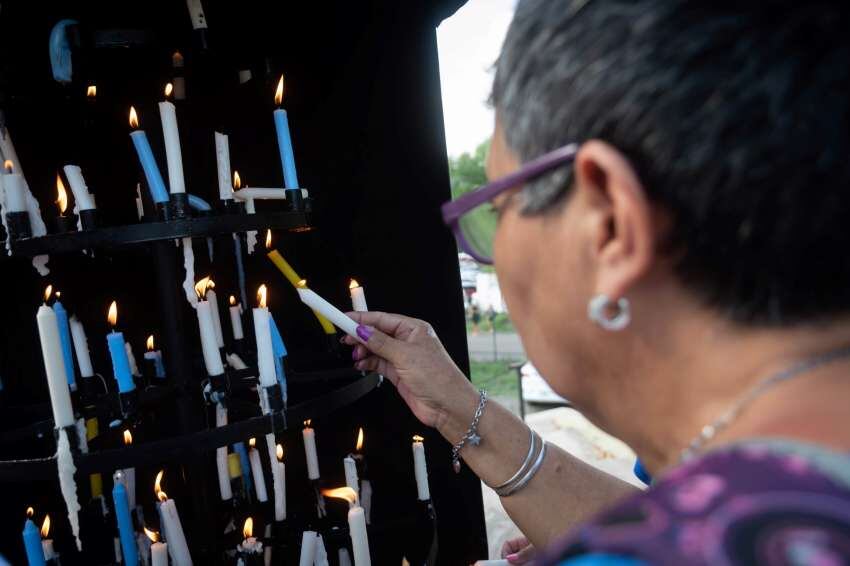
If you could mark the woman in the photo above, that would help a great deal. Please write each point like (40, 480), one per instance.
(680, 275)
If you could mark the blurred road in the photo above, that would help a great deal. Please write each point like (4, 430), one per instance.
(507, 347)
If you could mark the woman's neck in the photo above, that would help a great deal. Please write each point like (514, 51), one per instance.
(708, 366)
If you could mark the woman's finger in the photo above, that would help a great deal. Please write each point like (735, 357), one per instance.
(391, 324)
(524, 556)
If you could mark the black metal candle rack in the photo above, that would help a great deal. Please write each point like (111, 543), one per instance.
(193, 440)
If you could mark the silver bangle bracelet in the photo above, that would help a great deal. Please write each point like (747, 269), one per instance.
(532, 449)
(510, 490)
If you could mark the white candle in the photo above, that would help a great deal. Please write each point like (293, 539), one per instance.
(309, 436)
(257, 471)
(336, 316)
(344, 557)
(140, 207)
(177, 546)
(131, 358)
(278, 477)
(78, 186)
(262, 332)
(222, 162)
(236, 319)
(358, 297)
(54, 365)
(212, 357)
(212, 299)
(221, 457)
(173, 155)
(47, 548)
(308, 549)
(159, 554)
(321, 558)
(356, 525)
(16, 193)
(351, 479)
(264, 193)
(366, 499)
(81, 347)
(420, 469)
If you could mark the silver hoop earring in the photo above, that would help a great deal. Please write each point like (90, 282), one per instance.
(599, 307)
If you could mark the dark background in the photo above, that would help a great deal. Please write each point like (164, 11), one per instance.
(363, 97)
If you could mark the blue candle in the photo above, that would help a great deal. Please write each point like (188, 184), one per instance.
(284, 145)
(65, 339)
(120, 362)
(279, 350)
(240, 449)
(32, 544)
(125, 524)
(157, 362)
(146, 158)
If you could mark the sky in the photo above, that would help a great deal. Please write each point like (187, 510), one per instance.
(469, 43)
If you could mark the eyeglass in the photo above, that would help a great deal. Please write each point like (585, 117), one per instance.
(473, 218)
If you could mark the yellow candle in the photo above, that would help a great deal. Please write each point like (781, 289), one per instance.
(293, 278)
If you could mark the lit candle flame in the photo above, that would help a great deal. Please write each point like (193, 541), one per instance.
(417, 438)
(128, 437)
(252, 442)
(61, 195)
(162, 496)
(58, 294)
(262, 296)
(342, 493)
(354, 284)
(9, 166)
(210, 284)
(237, 181)
(359, 445)
(47, 292)
(157, 483)
(149, 343)
(278, 93)
(232, 301)
(268, 239)
(248, 528)
(169, 88)
(30, 512)
(112, 315)
(302, 284)
(91, 91)
(153, 535)
(307, 423)
(134, 118)
(279, 453)
(45, 526)
(202, 286)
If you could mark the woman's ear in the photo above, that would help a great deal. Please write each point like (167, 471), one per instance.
(617, 218)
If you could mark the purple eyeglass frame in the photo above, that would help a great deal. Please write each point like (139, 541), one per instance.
(454, 209)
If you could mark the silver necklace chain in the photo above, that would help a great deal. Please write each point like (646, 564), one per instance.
(709, 431)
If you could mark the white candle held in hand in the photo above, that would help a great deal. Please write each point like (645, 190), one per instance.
(420, 469)
(356, 525)
(336, 316)
(312, 456)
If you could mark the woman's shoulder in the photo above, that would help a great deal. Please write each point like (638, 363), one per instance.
(760, 501)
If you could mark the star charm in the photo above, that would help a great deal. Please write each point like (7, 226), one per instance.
(474, 439)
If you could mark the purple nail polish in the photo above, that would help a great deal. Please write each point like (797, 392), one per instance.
(364, 332)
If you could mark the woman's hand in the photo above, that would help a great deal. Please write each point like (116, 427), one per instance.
(518, 551)
(408, 353)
